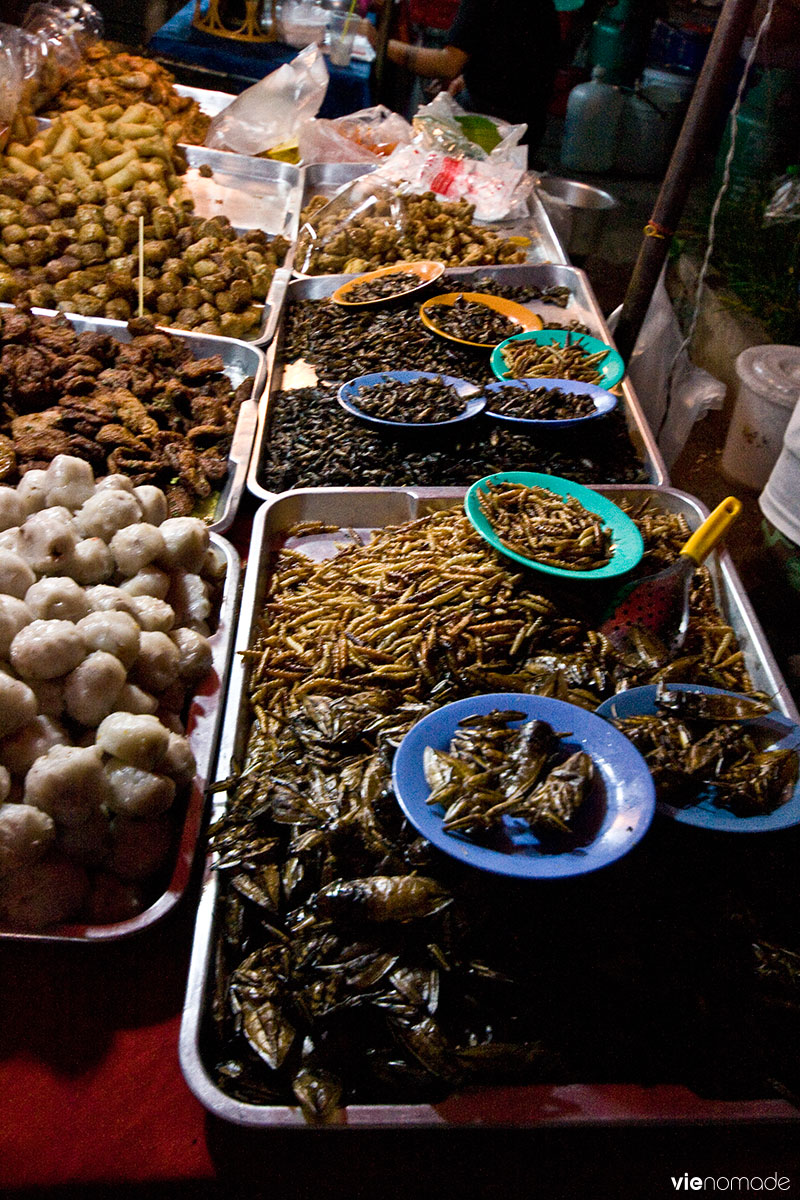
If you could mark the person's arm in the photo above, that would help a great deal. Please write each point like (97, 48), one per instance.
(422, 60)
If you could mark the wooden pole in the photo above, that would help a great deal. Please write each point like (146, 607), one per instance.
(704, 108)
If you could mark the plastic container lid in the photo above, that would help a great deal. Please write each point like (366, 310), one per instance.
(772, 372)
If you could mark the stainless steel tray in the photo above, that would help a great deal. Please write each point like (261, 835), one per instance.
(582, 307)
(203, 726)
(365, 509)
(208, 101)
(240, 359)
(325, 179)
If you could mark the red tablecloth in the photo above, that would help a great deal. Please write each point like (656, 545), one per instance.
(92, 1100)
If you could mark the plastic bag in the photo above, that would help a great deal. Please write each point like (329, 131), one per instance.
(273, 110)
(17, 64)
(366, 136)
(365, 216)
(498, 190)
(692, 391)
(445, 126)
(60, 31)
(37, 58)
(785, 203)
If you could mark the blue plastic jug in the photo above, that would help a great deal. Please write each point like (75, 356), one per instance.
(591, 125)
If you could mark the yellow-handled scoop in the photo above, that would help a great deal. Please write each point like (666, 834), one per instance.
(658, 606)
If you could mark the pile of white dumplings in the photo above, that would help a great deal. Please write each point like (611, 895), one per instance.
(105, 605)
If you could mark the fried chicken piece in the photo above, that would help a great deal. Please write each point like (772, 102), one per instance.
(201, 368)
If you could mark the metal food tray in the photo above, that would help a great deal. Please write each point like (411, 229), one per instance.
(207, 100)
(582, 307)
(203, 724)
(363, 510)
(325, 179)
(240, 360)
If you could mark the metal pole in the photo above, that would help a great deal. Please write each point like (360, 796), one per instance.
(384, 22)
(704, 108)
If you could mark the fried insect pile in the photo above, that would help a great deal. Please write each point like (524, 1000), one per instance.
(355, 962)
(145, 408)
(492, 771)
(538, 524)
(701, 745)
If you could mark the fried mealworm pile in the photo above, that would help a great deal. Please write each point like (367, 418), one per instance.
(355, 962)
(538, 524)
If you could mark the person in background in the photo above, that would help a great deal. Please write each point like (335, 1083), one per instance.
(499, 58)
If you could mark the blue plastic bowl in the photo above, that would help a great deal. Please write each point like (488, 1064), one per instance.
(474, 400)
(604, 402)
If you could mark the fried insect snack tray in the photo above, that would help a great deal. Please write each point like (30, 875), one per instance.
(361, 511)
(325, 180)
(582, 305)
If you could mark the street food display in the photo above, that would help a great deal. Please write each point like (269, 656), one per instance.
(340, 957)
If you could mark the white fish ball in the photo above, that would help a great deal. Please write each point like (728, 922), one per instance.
(11, 539)
(91, 562)
(57, 598)
(195, 653)
(189, 596)
(140, 847)
(136, 547)
(152, 614)
(106, 512)
(92, 688)
(21, 750)
(49, 695)
(114, 483)
(47, 540)
(138, 740)
(12, 510)
(17, 705)
(105, 598)
(69, 783)
(115, 632)
(150, 581)
(32, 491)
(25, 834)
(132, 699)
(69, 481)
(153, 502)
(179, 761)
(5, 784)
(51, 891)
(138, 793)
(46, 649)
(157, 664)
(14, 615)
(16, 575)
(186, 540)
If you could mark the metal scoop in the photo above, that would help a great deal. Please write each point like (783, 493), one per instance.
(657, 608)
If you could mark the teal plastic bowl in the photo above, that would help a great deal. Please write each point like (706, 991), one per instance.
(611, 369)
(627, 546)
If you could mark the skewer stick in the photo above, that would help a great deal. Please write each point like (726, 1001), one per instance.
(141, 266)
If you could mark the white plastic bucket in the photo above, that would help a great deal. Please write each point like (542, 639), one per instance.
(780, 499)
(769, 388)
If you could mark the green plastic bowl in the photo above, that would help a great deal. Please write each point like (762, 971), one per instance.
(627, 546)
(611, 369)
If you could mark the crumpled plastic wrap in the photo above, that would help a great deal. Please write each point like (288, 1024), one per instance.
(365, 214)
(367, 136)
(272, 111)
(784, 204)
(38, 57)
(498, 190)
(444, 126)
